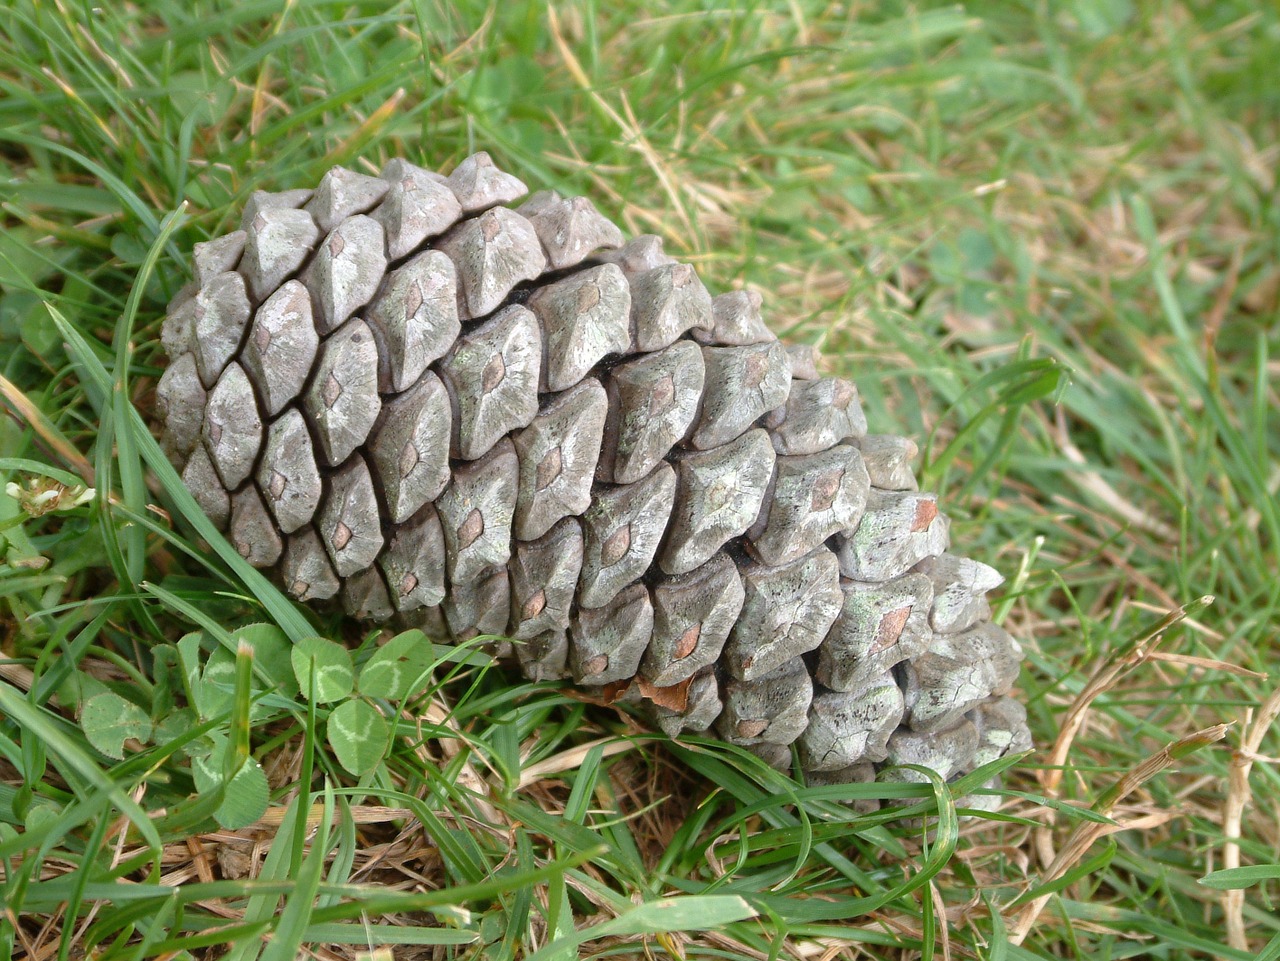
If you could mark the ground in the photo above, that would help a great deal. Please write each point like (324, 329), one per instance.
(1041, 237)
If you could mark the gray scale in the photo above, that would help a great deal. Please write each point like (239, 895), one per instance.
(365, 597)
(280, 351)
(818, 415)
(232, 428)
(538, 203)
(220, 313)
(429, 620)
(348, 519)
(692, 617)
(180, 403)
(804, 361)
(846, 727)
(570, 230)
(957, 673)
(719, 494)
(409, 447)
(414, 318)
(342, 399)
(492, 376)
(638, 255)
(665, 302)
(1002, 729)
(178, 326)
(813, 497)
(261, 200)
(898, 530)
(544, 579)
(787, 612)
(417, 207)
(492, 253)
(742, 385)
(960, 586)
(342, 193)
(735, 321)
(652, 402)
(945, 752)
(397, 168)
(772, 708)
(205, 486)
(702, 706)
(558, 453)
(880, 625)
(476, 511)
(889, 461)
(777, 756)
(345, 271)
(479, 184)
(278, 240)
(305, 570)
(606, 643)
(217, 255)
(544, 657)
(584, 317)
(287, 474)
(413, 561)
(621, 532)
(251, 532)
(480, 607)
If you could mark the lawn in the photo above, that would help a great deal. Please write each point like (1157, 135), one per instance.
(1042, 238)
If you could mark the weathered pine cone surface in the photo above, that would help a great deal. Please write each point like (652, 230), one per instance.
(482, 419)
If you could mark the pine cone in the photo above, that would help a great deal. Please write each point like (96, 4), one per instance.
(484, 420)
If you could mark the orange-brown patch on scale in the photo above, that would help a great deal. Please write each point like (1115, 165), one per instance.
(751, 728)
(534, 606)
(470, 529)
(688, 642)
(926, 511)
(890, 629)
(673, 698)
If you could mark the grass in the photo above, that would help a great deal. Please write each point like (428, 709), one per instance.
(1042, 238)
